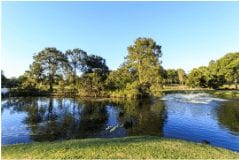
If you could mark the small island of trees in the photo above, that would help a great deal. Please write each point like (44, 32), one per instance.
(140, 75)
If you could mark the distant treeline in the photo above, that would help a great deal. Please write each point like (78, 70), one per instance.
(140, 75)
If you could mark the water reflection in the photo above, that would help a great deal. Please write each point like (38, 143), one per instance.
(48, 119)
(92, 118)
(228, 115)
(142, 117)
(66, 119)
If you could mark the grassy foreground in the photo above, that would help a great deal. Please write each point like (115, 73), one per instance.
(129, 147)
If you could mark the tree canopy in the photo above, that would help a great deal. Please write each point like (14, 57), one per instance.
(143, 59)
(140, 75)
(76, 59)
(48, 62)
(222, 71)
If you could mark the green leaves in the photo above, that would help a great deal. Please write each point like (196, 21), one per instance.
(224, 70)
(143, 58)
(46, 64)
(94, 62)
(198, 77)
(76, 58)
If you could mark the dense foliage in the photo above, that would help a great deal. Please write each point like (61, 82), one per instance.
(140, 72)
(9, 82)
(140, 75)
(88, 75)
(223, 71)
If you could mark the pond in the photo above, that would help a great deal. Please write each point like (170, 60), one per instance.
(197, 117)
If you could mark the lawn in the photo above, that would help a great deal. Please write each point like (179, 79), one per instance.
(129, 147)
(227, 93)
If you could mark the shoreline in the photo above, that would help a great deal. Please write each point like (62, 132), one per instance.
(36, 93)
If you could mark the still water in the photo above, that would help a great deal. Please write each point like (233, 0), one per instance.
(197, 117)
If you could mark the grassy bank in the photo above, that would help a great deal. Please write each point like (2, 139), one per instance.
(226, 93)
(130, 147)
(167, 89)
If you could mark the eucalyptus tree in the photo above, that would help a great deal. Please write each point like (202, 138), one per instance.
(51, 61)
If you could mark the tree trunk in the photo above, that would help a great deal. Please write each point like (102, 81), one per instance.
(74, 80)
(51, 82)
(74, 77)
(236, 84)
(139, 71)
(50, 107)
(236, 80)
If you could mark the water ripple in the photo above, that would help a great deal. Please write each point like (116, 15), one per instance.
(197, 98)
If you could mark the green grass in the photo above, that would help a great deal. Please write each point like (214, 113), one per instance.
(227, 93)
(129, 147)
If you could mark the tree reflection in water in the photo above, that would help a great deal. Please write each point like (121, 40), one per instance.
(228, 115)
(93, 118)
(50, 119)
(69, 120)
(142, 117)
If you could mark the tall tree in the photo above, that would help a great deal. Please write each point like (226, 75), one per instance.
(181, 75)
(51, 61)
(94, 76)
(233, 67)
(216, 78)
(76, 59)
(198, 77)
(143, 58)
(37, 72)
(227, 67)
(172, 76)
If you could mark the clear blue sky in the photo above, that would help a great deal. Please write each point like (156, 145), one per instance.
(190, 33)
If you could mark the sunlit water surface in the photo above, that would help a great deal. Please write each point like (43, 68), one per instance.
(197, 117)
